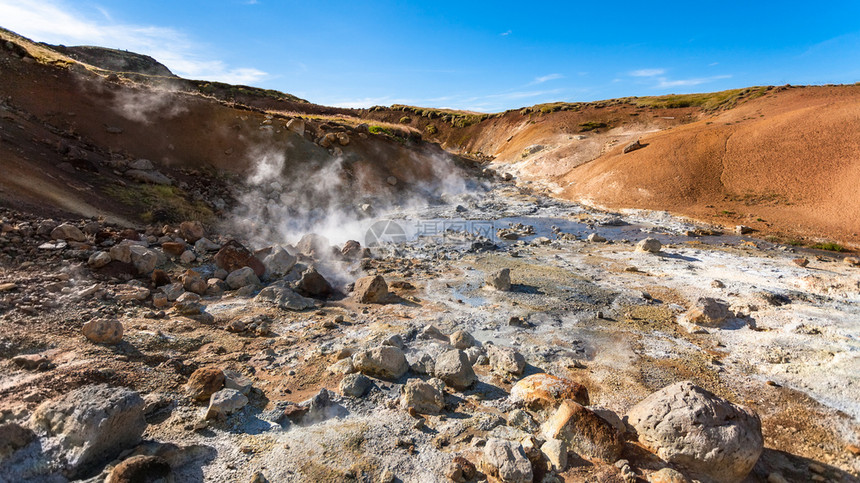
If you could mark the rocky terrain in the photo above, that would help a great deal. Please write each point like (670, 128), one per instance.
(201, 289)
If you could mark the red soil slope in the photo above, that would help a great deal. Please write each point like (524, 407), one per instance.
(788, 162)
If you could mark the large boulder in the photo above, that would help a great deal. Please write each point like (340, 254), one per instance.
(586, 433)
(453, 367)
(191, 231)
(500, 280)
(103, 331)
(425, 398)
(204, 382)
(141, 469)
(242, 278)
(99, 259)
(542, 391)
(143, 259)
(710, 438)
(355, 385)
(313, 284)
(314, 246)
(174, 249)
(233, 256)
(284, 297)
(225, 402)
(385, 362)
(278, 262)
(709, 312)
(371, 290)
(649, 245)
(68, 232)
(148, 176)
(461, 340)
(633, 146)
(89, 426)
(506, 360)
(506, 461)
(193, 281)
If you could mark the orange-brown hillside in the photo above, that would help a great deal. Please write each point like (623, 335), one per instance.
(784, 160)
(787, 162)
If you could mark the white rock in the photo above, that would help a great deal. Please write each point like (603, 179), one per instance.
(711, 438)
(242, 277)
(225, 402)
(99, 259)
(507, 461)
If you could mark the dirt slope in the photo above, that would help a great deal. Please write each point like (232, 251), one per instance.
(787, 162)
(68, 132)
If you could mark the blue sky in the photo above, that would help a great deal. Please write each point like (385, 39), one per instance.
(482, 56)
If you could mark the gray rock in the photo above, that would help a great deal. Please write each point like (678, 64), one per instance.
(506, 360)
(278, 262)
(462, 340)
(425, 398)
(394, 341)
(284, 297)
(99, 259)
(188, 304)
(121, 252)
(225, 402)
(313, 284)
(595, 238)
(474, 353)
(423, 365)
(708, 312)
(68, 232)
(314, 246)
(384, 362)
(507, 461)
(143, 164)
(204, 245)
(150, 177)
(242, 277)
(173, 291)
(187, 257)
(500, 280)
(710, 438)
(143, 259)
(234, 380)
(89, 425)
(355, 385)
(432, 332)
(522, 420)
(649, 245)
(555, 451)
(635, 145)
(454, 368)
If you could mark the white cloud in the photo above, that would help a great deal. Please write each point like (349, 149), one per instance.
(648, 72)
(541, 80)
(664, 82)
(505, 34)
(53, 21)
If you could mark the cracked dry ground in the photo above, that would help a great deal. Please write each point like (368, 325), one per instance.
(599, 314)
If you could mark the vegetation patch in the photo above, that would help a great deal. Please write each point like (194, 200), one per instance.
(158, 203)
(829, 246)
(591, 126)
